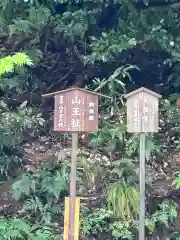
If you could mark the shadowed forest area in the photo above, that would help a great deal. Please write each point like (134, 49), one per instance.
(109, 46)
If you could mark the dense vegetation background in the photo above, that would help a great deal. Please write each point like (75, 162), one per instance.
(112, 46)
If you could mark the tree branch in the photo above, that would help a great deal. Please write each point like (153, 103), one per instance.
(63, 78)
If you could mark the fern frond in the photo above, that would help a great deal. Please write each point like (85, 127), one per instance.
(54, 185)
(20, 225)
(23, 187)
(32, 205)
(20, 26)
(18, 229)
(56, 209)
(20, 59)
(13, 234)
(44, 234)
(40, 15)
(35, 54)
(7, 64)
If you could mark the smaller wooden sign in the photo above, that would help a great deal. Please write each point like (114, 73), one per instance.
(67, 218)
(142, 111)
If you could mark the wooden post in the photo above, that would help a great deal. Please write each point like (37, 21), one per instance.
(142, 117)
(142, 187)
(76, 219)
(75, 110)
(73, 184)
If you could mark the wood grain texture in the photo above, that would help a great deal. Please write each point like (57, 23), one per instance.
(76, 111)
(142, 112)
(67, 218)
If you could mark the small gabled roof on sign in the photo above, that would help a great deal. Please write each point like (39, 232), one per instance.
(142, 89)
(72, 89)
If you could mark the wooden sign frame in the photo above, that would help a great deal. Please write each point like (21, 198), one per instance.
(82, 105)
(142, 117)
(142, 111)
(75, 110)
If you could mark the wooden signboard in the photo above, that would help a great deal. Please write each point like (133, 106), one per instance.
(142, 117)
(76, 110)
(142, 111)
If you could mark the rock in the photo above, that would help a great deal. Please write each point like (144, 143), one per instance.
(42, 148)
(63, 153)
(44, 139)
(26, 145)
(85, 153)
(106, 160)
(30, 168)
(161, 188)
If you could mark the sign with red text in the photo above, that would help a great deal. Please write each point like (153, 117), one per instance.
(142, 111)
(76, 110)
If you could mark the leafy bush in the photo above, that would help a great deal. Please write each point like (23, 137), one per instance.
(18, 229)
(104, 221)
(109, 135)
(176, 182)
(109, 45)
(96, 222)
(164, 216)
(123, 200)
(122, 230)
(40, 194)
(7, 64)
(13, 125)
(79, 31)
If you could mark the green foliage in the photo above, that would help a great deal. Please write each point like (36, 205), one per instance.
(115, 86)
(109, 135)
(8, 165)
(123, 200)
(153, 147)
(7, 64)
(112, 133)
(109, 45)
(178, 144)
(20, 230)
(19, 26)
(73, 24)
(124, 168)
(176, 182)
(96, 222)
(81, 35)
(13, 124)
(104, 221)
(113, 137)
(40, 193)
(121, 230)
(39, 16)
(170, 115)
(89, 175)
(166, 214)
